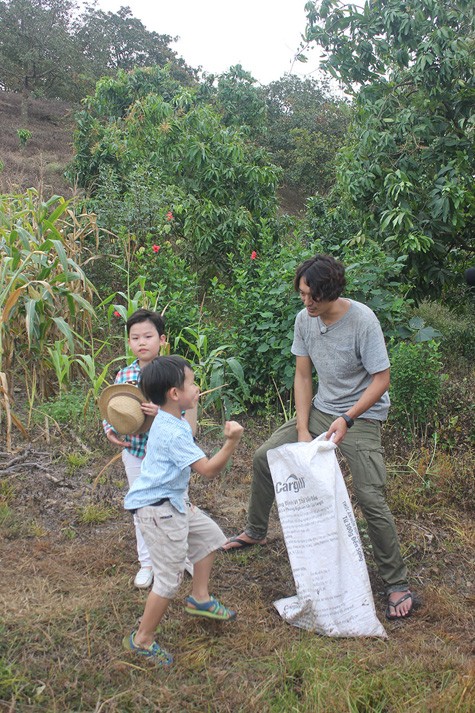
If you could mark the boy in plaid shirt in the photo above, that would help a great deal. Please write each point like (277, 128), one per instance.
(146, 336)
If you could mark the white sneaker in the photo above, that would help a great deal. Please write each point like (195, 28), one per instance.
(189, 566)
(143, 578)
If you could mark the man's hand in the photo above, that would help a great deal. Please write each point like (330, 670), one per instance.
(233, 430)
(304, 436)
(338, 429)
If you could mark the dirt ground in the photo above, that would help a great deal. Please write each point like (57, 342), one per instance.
(66, 587)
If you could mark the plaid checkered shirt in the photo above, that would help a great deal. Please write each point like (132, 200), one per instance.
(135, 444)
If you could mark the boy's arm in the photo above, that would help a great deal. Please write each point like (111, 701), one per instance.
(210, 467)
(114, 438)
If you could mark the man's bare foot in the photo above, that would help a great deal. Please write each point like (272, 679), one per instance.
(399, 605)
(241, 542)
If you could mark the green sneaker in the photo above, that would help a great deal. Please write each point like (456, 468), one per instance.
(155, 652)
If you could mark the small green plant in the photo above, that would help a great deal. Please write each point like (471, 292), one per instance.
(10, 526)
(69, 533)
(7, 491)
(36, 529)
(69, 409)
(93, 514)
(76, 461)
(416, 383)
(24, 135)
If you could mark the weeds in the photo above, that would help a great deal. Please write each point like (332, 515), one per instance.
(92, 514)
(11, 526)
(75, 461)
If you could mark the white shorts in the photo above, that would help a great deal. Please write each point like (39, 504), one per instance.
(171, 537)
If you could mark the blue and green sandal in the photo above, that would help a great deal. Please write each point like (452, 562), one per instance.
(212, 609)
(154, 652)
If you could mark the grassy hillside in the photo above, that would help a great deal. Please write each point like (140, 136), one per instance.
(41, 162)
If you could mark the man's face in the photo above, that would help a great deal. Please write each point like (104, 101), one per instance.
(145, 341)
(315, 308)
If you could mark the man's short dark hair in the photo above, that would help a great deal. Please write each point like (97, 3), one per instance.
(142, 315)
(162, 374)
(324, 275)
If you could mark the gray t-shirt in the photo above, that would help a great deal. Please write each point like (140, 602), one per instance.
(345, 357)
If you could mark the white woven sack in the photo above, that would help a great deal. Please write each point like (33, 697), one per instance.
(334, 594)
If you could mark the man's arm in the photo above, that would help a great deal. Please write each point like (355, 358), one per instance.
(303, 394)
(378, 386)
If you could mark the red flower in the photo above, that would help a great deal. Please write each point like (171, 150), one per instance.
(169, 215)
(155, 248)
(253, 255)
(116, 314)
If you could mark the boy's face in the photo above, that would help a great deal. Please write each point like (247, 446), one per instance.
(189, 393)
(145, 341)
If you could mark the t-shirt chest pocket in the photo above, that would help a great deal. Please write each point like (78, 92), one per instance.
(345, 361)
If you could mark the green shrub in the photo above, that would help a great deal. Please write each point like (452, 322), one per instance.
(258, 309)
(457, 330)
(172, 280)
(24, 135)
(72, 409)
(416, 382)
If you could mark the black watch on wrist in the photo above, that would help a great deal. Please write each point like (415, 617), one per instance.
(347, 419)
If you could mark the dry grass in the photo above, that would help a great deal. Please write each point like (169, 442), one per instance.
(41, 163)
(68, 602)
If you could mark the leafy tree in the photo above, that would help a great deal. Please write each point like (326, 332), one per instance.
(305, 127)
(142, 128)
(410, 164)
(110, 41)
(37, 51)
(49, 48)
(237, 98)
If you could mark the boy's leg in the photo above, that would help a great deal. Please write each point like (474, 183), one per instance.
(165, 532)
(155, 608)
(204, 538)
(201, 575)
(132, 466)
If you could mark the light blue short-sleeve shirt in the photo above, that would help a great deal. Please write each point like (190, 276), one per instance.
(165, 470)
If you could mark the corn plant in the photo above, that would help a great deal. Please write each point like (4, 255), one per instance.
(45, 296)
(221, 377)
(61, 362)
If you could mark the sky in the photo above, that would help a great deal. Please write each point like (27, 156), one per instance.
(262, 35)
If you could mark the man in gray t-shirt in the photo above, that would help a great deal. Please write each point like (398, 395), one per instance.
(342, 340)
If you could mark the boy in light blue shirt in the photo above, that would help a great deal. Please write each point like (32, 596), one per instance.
(173, 528)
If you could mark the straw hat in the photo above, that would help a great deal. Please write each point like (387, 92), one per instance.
(120, 405)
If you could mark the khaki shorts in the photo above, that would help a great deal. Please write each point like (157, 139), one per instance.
(171, 537)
